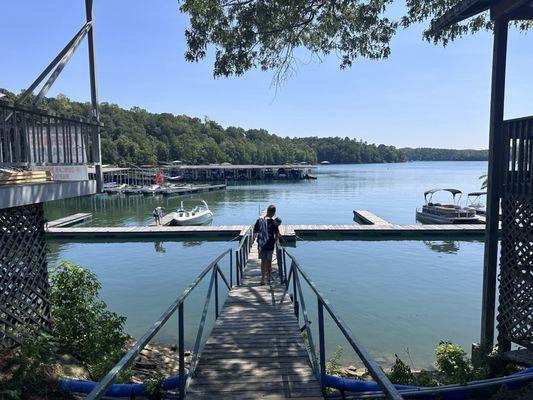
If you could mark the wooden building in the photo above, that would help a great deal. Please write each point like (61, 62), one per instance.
(510, 185)
(43, 157)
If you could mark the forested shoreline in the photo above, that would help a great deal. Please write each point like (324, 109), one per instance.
(137, 136)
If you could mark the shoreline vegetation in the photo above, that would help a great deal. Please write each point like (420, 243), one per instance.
(139, 137)
(86, 340)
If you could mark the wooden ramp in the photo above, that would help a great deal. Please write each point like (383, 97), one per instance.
(368, 218)
(255, 350)
(69, 220)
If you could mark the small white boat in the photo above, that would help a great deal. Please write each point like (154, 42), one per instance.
(151, 190)
(451, 213)
(134, 189)
(474, 201)
(199, 215)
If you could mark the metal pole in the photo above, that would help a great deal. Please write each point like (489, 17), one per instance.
(216, 291)
(321, 346)
(295, 293)
(231, 269)
(181, 351)
(495, 170)
(94, 98)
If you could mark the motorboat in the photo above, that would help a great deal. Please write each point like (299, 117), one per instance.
(151, 190)
(198, 215)
(474, 201)
(445, 213)
(134, 189)
(114, 188)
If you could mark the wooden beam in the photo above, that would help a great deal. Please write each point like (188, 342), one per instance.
(505, 7)
(525, 12)
(495, 172)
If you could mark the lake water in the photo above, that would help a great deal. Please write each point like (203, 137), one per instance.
(397, 296)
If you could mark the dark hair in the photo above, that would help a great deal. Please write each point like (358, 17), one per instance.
(271, 210)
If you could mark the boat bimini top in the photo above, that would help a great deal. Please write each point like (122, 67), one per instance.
(431, 192)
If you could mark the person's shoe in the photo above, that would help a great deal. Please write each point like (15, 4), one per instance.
(262, 282)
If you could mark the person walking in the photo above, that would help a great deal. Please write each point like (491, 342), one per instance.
(267, 230)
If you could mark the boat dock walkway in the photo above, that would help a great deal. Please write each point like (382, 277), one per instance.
(375, 228)
(368, 218)
(69, 220)
(255, 350)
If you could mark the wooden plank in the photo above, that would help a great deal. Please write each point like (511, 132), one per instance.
(250, 356)
(69, 220)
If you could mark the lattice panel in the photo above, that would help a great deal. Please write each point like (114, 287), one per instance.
(23, 271)
(515, 316)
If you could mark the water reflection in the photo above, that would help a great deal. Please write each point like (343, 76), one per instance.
(443, 246)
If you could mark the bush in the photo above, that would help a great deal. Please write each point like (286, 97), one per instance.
(401, 373)
(81, 323)
(453, 362)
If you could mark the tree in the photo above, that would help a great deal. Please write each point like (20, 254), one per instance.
(249, 34)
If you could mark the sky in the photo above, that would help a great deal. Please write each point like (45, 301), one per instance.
(422, 96)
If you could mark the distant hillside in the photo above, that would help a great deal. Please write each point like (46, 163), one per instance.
(140, 137)
(430, 154)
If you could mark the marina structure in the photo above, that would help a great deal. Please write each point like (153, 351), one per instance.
(509, 187)
(145, 175)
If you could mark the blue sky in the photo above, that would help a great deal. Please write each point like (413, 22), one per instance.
(423, 95)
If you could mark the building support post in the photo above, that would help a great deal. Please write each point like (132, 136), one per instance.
(97, 145)
(494, 186)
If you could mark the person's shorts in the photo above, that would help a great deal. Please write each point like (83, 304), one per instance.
(266, 254)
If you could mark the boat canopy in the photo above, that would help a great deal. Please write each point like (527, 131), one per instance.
(477, 194)
(454, 192)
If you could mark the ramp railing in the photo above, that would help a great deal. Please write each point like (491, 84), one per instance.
(214, 271)
(318, 363)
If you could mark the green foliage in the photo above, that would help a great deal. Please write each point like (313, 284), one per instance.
(154, 386)
(249, 34)
(333, 364)
(453, 362)
(138, 137)
(484, 181)
(401, 373)
(430, 154)
(30, 376)
(82, 325)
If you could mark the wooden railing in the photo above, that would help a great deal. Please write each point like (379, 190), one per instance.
(29, 136)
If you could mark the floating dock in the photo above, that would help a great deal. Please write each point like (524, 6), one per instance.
(367, 218)
(147, 232)
(69, 220)
(289, 232)
(255, 350)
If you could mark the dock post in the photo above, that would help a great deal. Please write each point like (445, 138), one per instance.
(494, 177)
(322, 346)
(181, 352)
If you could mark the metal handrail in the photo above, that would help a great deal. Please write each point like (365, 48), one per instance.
(29, 136)
(99, 391)
(241, 256)
(319, 365)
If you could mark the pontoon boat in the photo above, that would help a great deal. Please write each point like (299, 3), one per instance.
(450, 213)
(474, 201)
